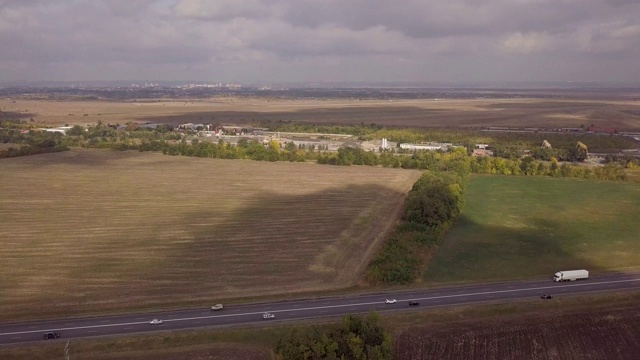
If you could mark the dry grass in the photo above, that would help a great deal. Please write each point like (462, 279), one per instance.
(216, 351)
(10, 145)
(415, 113)
(89, 231)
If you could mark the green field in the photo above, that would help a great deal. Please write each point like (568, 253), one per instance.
(530, 227)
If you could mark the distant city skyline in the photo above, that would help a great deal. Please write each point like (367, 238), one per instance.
(323, 41)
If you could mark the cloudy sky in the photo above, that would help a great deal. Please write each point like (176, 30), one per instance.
(320, 40)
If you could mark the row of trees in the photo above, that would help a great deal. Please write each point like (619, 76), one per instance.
(355, 338)
(101, 136)
(431, 208)
(457, 160)
(30, 143)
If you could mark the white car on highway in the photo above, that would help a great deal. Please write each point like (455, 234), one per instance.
(217, 307)
(390, 301)
(155, 322)
(268, 315)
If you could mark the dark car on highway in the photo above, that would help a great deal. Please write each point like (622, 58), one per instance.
(51, 335)
(546, 297)
(414, 303)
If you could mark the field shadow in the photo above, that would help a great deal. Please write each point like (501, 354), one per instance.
(94, 158)
(476, 252)
(481, 115)
(278, 243)
(13, 115)
(396, 115)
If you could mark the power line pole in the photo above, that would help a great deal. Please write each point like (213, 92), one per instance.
(66, 351)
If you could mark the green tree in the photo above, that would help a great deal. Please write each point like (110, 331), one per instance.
(432, 206)
(354, 338)
(76, 130)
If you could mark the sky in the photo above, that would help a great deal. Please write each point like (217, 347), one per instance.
(273, 41)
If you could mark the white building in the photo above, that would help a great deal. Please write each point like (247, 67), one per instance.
(429, 146)
(61, 129)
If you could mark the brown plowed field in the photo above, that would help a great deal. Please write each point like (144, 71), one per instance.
(456, 113)
(588, 335)
(91, 230)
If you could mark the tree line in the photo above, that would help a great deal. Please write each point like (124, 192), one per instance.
(541, 162)
(30, 143)
(355, 338)
(430, 209)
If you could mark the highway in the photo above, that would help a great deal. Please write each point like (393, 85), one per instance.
(234, 315)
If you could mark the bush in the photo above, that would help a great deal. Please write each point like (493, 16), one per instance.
(355, 338)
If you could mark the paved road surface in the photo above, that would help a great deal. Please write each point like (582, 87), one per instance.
(304, 309)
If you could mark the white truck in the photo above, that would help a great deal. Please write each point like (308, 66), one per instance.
(570, 275)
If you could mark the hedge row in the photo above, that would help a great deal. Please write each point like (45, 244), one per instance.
(431, 208)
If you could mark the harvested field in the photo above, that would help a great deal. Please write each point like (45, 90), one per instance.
(89, 231)
(587, 335)
(456, 113)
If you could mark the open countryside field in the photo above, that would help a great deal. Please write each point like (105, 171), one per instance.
(104, 230)
(457, 113)
(528, 227)
(587, 334)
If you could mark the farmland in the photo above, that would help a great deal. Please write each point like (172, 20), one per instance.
(526, 227)
(623, 113)
(604, 332)
(90, 231)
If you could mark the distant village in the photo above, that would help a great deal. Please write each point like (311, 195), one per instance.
(333, 142)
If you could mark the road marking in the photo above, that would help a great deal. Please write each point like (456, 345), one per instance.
(351, 306)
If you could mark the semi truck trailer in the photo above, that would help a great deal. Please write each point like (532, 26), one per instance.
(570, 275)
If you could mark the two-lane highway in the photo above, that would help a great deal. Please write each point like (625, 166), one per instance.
(311, 308)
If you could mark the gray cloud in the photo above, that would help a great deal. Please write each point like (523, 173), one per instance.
(312, 40)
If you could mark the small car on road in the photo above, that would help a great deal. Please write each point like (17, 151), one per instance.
(51, 335)
(155, 322)
(414, 303)
(217, 307)
(546, 297)
(268, 316)
(390, 301)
